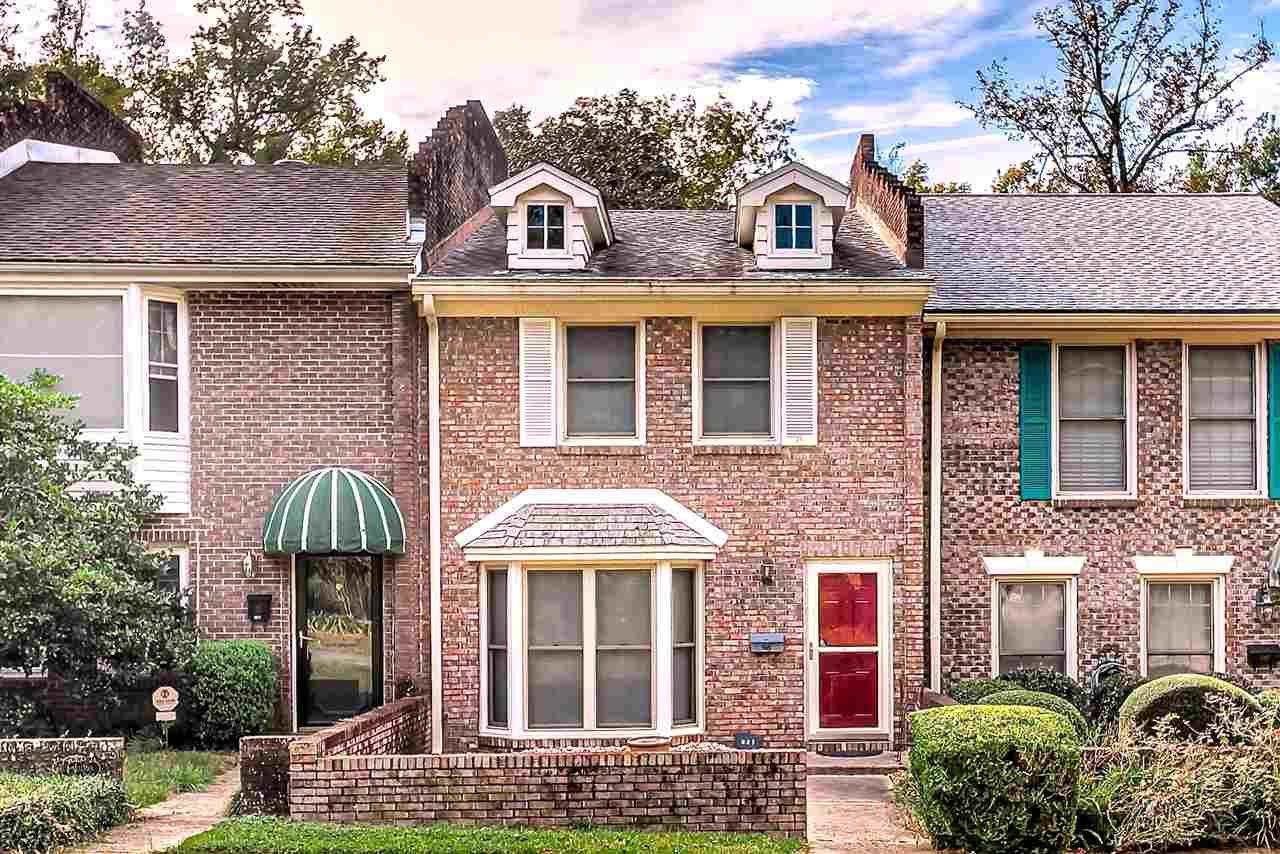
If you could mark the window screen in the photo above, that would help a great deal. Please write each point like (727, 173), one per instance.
(1091, 419)
(1032, 625)
(736, 384)
(1221, 420)
(555, 649)
(497, 617)
(1179, 628)
(78, 338)
(684, 636)
(623, 653)
(600, 399)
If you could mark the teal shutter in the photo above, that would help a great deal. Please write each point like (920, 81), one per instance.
(1273, 419)
(1035, 422)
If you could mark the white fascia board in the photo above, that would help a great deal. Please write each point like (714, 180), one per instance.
(1034, 563)
(591, 555)
(36, 151)
(1183, 562)
(597, 496)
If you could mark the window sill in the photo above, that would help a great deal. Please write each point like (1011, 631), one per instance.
(1079, 502)
(580, 738)
(600, 450)
(747, 449)
(1209, 502)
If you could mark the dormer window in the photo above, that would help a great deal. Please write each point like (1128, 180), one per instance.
(793, 226)
(545, 229)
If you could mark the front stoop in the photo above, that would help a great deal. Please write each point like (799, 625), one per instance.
(888, 762)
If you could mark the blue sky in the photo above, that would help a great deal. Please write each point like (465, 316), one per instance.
(839, 67)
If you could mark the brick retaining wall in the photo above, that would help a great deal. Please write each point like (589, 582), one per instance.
(264, 774)
(63, 756)
(740, 791)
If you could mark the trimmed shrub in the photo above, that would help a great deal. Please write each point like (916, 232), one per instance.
(1270, 698)
(46, 813)
(1046, 680)
(1040, 700)
(234, 689)
(1185, 696)
(1106, 698)
(996, 778)
(973, 690)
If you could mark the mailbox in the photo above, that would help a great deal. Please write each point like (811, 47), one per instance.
(1263, 654)
(259, 606)
(766, 642)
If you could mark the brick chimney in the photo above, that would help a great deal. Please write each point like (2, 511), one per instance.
(895, 211)
(68, 115)
(452, 171)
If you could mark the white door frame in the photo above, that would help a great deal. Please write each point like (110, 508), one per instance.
(882, 568)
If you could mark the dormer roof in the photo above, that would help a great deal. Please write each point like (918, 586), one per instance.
(753, 194)
(503, 197)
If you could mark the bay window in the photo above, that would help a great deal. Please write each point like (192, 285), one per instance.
(602, 648)
(162, 366)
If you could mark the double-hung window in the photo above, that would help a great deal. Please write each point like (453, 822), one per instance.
(793, 226)
(591, 653)
(601, 392)
(1093, 420)
(737, 381)
(162, 366)
(545, 227)
(1180, 627)
(1222, 420)
(1032, 625)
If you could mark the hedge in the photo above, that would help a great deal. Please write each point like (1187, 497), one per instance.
(1041, 700)
(973, 690)
(1046, 680)
(46, 813)
(234, 689)
(1184, 696)
(996, 779)
(1106, 698)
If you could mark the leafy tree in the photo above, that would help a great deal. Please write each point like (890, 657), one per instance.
(1139, 80)
(66, 47)
(916, 177)
(1029, 176)
(13, 72)
(652, 152)
(1251, 164)
(78, 592)
(258, 85)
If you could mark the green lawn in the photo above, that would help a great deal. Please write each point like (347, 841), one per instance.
(276, 836)
(153, 775)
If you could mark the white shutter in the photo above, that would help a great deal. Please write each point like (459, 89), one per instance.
(799, 380)
(537, 382)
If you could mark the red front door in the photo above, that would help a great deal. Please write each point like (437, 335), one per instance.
(848, 651)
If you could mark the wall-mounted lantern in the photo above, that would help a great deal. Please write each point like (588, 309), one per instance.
(767, 570)
(246, 564)
(1267, 597)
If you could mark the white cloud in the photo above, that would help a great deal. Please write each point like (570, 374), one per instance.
(975, 159)
(924, 108)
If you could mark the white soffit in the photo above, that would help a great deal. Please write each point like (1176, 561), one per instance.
(35, 151)
(655, 497)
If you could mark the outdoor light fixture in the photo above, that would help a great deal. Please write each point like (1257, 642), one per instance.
(766, 572)
(247, 564)
(1268, 595)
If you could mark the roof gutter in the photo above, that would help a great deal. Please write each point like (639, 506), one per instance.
(1037, 324)
(220, 276)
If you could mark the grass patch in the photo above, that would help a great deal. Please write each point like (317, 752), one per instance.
(276, 836)
(47, 812)
(153, 775)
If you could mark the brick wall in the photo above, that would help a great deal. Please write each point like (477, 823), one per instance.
(983, 515)
(71, 116)
(858, 493)
(63, 756)
(453, 169)
(283, 382)
(738, 791)
(264, 774)
(895, 211)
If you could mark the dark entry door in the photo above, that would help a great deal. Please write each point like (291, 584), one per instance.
(339, 637)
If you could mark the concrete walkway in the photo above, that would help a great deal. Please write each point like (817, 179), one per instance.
(169, 822)
(854, 813)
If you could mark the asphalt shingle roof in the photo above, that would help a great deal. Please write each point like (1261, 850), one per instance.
(1116, 253)
(677, 244)
(287, 214)
(588, 526)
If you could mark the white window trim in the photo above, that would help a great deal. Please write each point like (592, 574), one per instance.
(562, 390)
(525, 251)
(183, 436)
(775, 387)
(773, 230)
(183, 553)
(883, 570)
(1185, 566)
(661, 647)
(1259, 416)
(1130, 419)
(1035, 567)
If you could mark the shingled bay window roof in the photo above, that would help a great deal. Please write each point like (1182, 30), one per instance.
(552, 522)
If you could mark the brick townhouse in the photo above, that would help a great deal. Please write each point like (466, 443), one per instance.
(581, 474)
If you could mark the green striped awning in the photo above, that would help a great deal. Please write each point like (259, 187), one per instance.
(334, 511)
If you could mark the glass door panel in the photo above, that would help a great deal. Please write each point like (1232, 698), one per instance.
(340, 637)
(848, 650)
